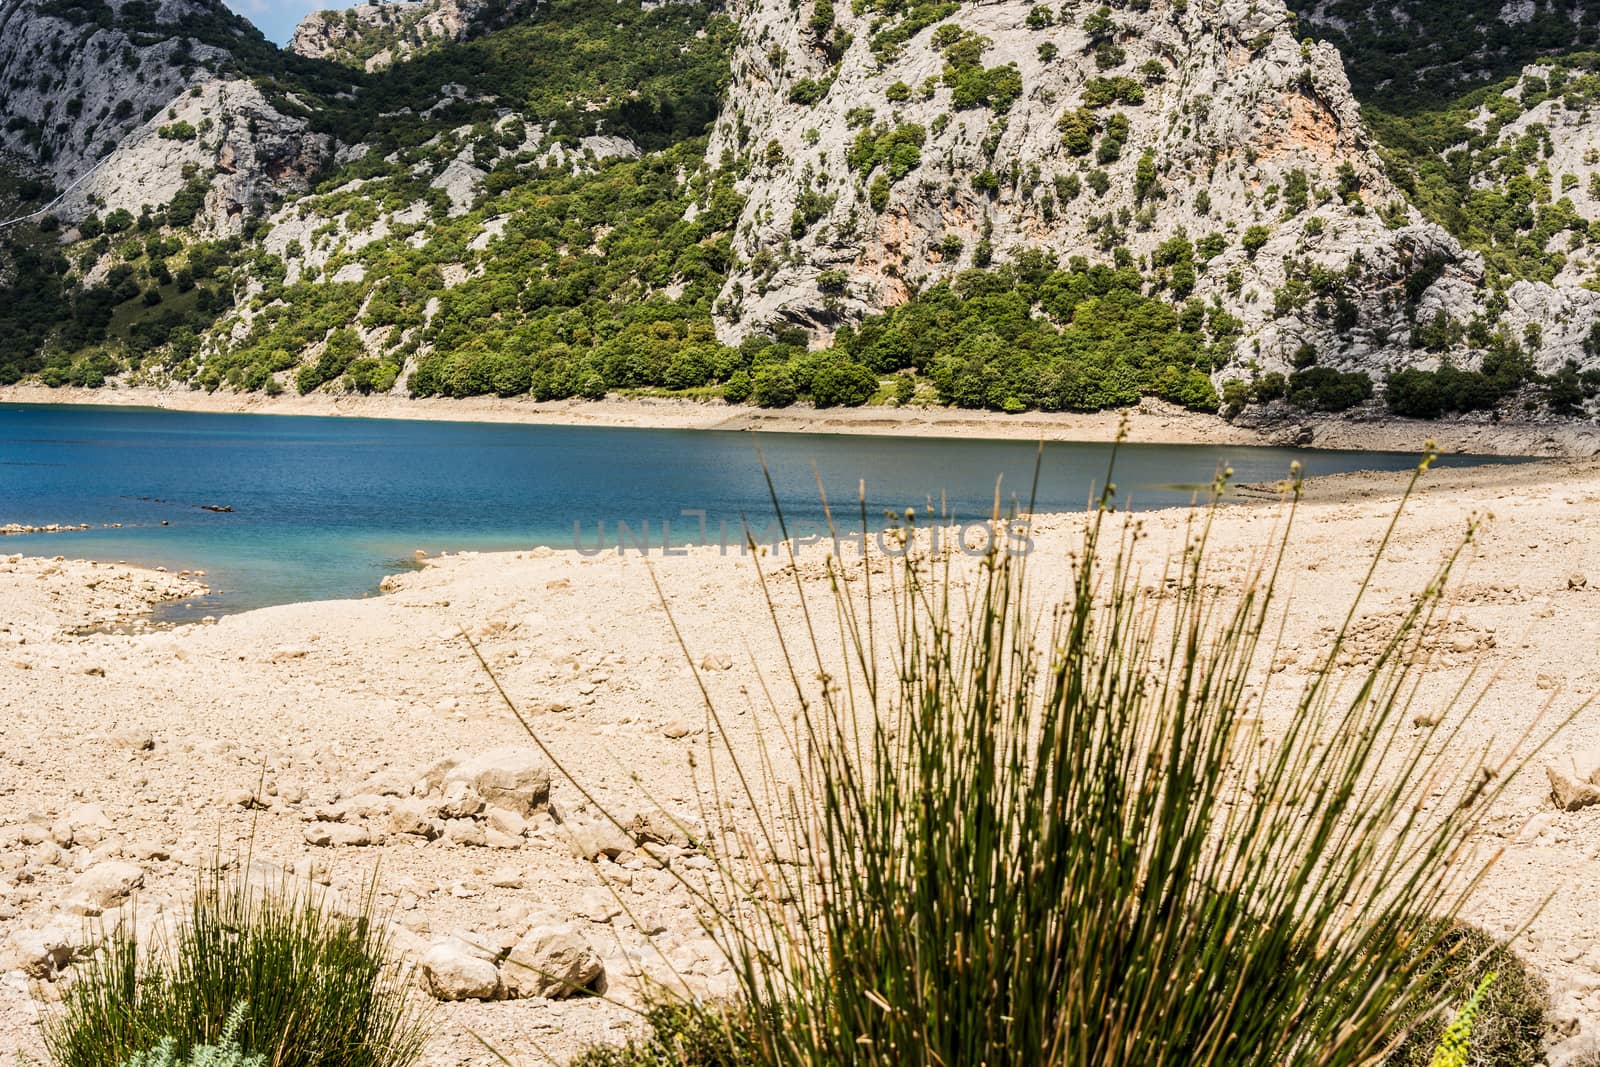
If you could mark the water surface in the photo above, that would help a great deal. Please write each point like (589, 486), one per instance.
(324, 507)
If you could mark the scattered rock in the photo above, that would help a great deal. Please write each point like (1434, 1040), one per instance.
(717, 663)
(514, 778)
(362, 806)
(599, 904)
(506, 878)
(550, 961)
(675, 728)
(43, 954)
(1577, 581)
(660, 828)
(1570, 794)
(413, 817)
(136, 740)
(591, 840)
(506, 822)
(82, 824)
(461, 801)
(336, 835)
(102, 888)
(495, 839)
(149, 849)
(465, 832)
(1537, 825)
(1586, 766)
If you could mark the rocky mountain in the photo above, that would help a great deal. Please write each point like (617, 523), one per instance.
(374, 36)
(995, 204)
(126, 104)
(1412, 53)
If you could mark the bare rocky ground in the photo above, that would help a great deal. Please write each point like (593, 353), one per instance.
(319, 739)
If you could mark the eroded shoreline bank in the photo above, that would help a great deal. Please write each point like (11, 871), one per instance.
(1152, 422)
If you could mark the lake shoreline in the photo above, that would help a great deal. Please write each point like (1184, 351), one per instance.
(235, 735)
(1153, 422)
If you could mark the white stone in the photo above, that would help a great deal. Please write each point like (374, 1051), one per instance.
(550, 961)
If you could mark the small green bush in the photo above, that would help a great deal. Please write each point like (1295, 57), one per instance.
(847, 385)
(682, 1035)
(1508, 1027)
(738, 388)
(225, 1053)
(1325, 389)
(318, 987)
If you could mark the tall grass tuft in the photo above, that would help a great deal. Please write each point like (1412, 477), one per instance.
(1053, 827)
(257, 971)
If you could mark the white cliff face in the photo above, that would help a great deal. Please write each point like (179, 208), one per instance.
(1234, 124)
(375, 36)
(117, 120)
(222, 132)
(74, 90)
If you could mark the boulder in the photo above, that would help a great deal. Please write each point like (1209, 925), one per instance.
(43, 954)
(450, 971)
(414, 818)
(550, 961)
(102, 888)
(336, 835)
(514, 777)
(1570, 794)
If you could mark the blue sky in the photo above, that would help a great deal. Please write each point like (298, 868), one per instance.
(277, 18)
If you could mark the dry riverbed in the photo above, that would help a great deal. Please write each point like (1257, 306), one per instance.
(321, 736)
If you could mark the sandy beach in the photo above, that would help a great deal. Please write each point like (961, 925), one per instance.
(1152, 422)
(298, 732)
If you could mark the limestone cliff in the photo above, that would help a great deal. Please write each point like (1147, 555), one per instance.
(1227, 124)
(122, 104)
(375, 36)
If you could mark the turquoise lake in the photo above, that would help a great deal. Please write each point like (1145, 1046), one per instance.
(325, 507)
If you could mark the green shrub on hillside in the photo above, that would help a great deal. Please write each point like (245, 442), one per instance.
(1033, 335)
(1328, 390)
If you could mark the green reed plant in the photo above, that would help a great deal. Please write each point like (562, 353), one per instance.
(258, 970)
(1051, 828)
